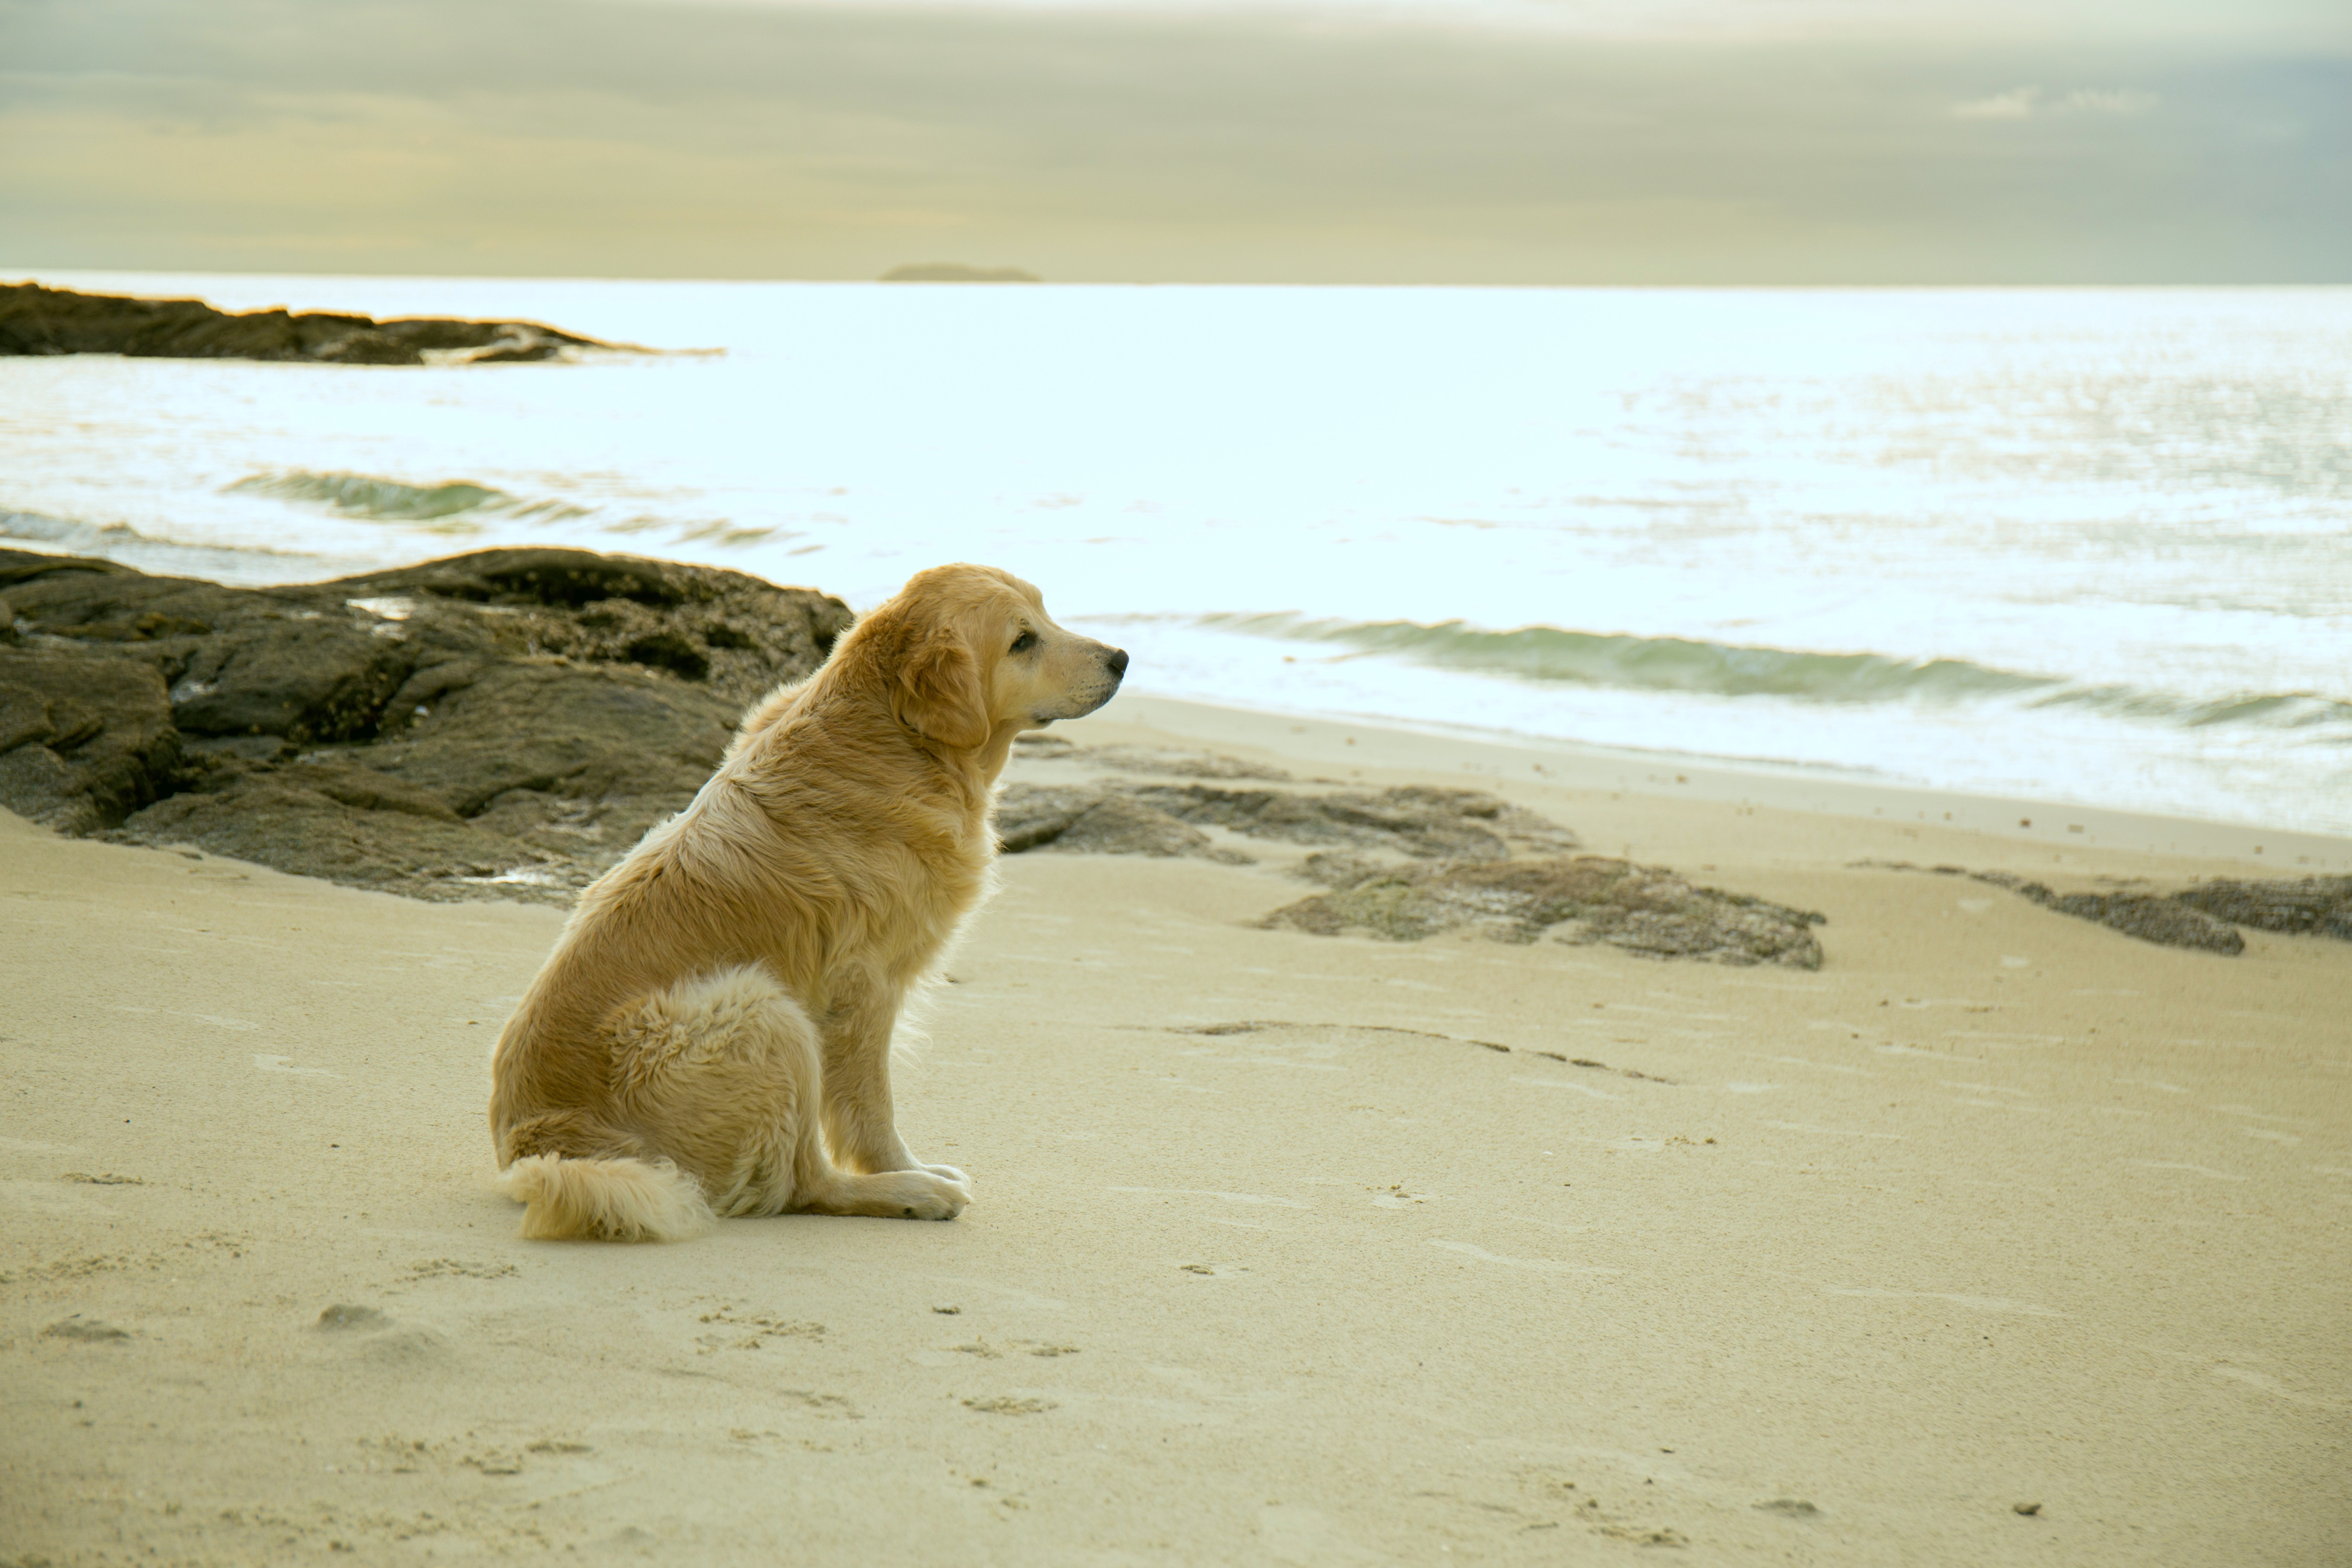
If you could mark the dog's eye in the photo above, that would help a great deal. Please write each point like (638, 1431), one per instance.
(1023, 643)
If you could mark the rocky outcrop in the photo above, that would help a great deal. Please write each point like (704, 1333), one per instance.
(1417, 821)
(1401, 864)
(1094, 822)
(2164, 921)
(1585, 901)
(34, 320)
(2201, 916)
(84, 743)
(2317, 905)
(502, 724)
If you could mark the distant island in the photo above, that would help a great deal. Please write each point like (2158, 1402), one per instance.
(956, 272)
(34, 320)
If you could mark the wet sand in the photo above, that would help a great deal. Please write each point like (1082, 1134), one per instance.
(1285, 1249)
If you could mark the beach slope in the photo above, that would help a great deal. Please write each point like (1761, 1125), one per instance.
(2000, 1238)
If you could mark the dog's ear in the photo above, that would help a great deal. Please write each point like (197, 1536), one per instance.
(939, 693)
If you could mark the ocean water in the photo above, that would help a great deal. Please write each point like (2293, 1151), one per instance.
(2080, 545)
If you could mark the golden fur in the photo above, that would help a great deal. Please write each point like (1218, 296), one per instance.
(711, 1035)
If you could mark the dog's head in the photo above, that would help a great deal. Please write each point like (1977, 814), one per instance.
(974, 651)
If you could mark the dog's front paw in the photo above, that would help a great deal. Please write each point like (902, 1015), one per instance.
(948, 1173)
(933, 1196)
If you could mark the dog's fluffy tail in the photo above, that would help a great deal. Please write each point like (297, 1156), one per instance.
(605, 1201)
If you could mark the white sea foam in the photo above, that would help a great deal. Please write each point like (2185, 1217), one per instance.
(2076, 544)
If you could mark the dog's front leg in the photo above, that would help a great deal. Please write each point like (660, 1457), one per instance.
(860, 1125)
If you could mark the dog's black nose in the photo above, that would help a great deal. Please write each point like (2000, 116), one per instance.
(1118, 662)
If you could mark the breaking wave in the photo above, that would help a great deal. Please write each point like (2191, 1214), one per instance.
(121, 542)
(1616, 660)
(368, 496)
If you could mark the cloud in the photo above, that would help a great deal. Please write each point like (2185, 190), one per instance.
(2017, 103)
(2028, 102)
(569, 138)
(2125, 103)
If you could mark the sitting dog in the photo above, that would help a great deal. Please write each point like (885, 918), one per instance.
(711, 1035)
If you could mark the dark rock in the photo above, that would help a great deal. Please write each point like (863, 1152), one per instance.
(1421, 821)
(507, 722)
(2318, 905)
(1115, 826)
(1641, 909)
(1338, 868)
(38, 321)
(2149, 918)
(1418, 821)
(1030, 816)
(306, 680)
(368, 347)
(2144, 915)
(1092, 821)
(84, 740)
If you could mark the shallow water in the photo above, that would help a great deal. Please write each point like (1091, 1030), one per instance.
(2088, 545)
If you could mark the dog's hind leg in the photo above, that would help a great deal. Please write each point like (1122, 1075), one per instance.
(720, 1074)
(723, 1074)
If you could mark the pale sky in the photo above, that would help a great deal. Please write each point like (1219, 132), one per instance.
(1477, 142)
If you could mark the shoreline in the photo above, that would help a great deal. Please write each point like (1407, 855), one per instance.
(1392, 743)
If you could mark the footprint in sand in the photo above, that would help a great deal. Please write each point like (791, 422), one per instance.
(343, 1317)
(85, 1331)
(1789, 1508)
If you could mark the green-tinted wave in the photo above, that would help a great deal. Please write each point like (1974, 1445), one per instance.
(370, 496)
(1619, 661)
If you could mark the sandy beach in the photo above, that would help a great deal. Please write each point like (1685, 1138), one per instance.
(2001, 1238)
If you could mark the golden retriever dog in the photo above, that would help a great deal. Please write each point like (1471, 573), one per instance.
(711, 1035)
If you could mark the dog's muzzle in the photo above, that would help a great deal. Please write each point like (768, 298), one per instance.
(1086, 700)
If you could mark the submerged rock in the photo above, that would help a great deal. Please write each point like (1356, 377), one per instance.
(1587, 900)
(502, 724)
(34, 320)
